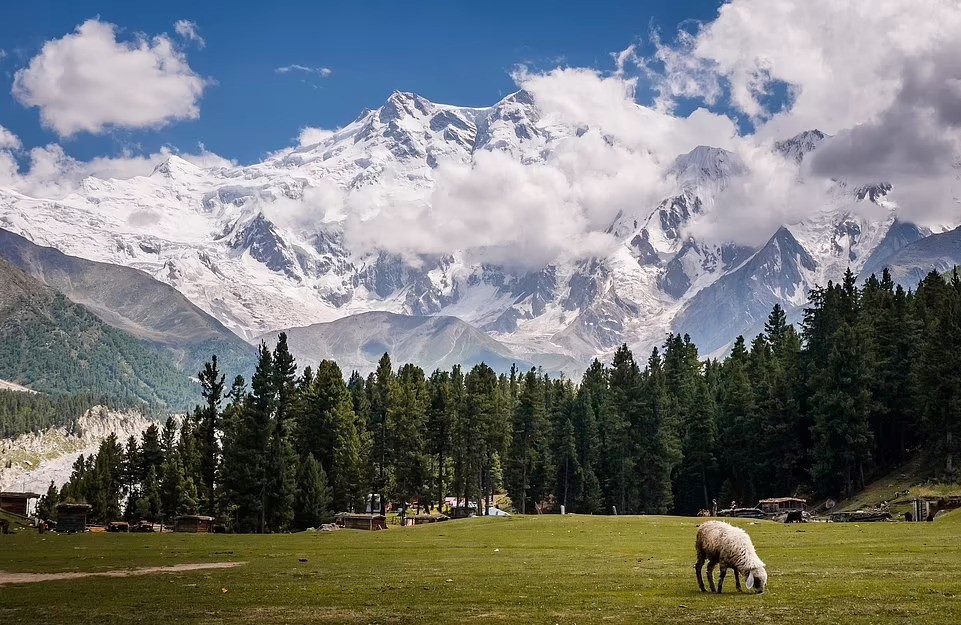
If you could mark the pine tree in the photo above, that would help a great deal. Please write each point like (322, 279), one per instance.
(441, 416)
(528, 447)
(379, 394)
(623, 429)
(738, 426)
(312, 506)
(151, 452)
(47, 506)
(281, 469)
(150, 495)
(588, 498)
(245, 464)
(407, 434)
(206, 428)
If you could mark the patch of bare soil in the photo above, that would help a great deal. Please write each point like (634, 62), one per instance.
(30, 578)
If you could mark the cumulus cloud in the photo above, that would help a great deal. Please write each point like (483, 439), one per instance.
(51, 172)
(882, 76)
(311, 136)
(89, 81)
(8, 140)
(497, 210)
(323, 72)
(189, 31)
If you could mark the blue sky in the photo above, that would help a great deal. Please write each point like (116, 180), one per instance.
(456, 53)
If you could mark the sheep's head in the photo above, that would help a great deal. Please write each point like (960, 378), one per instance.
(756, 580)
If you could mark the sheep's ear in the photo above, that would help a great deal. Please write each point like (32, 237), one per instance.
(750, 581)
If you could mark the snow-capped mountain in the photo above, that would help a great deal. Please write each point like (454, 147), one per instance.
(237, 243)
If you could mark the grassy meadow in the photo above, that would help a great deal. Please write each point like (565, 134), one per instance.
(548, 569)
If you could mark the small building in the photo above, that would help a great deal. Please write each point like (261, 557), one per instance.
(927, 508)
(422, 519)
(361, 521)
(16, 503)
(779, 505)
(193, 523)
(72, 517)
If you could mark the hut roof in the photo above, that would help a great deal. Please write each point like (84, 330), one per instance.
(783, 500)
(73, 506)
(16, 495)
(194, 517)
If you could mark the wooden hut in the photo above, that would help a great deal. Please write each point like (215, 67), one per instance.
(361, 521)
(927, 508)
(193, 523)
(16, 503)
(780, 505)
(72, 517)
(421, 519)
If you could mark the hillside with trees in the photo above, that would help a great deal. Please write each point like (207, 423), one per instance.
(872, 375)
(52, 345)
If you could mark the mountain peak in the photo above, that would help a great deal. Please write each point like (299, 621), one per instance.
(706, 163)
(800, 144)
(404, 104)
(173, 165)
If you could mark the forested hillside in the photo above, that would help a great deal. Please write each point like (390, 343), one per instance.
(52, 345)
(134, 302)
(873, 374)
(31, 412)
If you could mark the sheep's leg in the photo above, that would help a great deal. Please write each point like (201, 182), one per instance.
(737, 582)
(710, 574)
(720, 579)
(698, 567)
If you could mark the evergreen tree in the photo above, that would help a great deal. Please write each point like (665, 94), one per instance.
(407, 435)
(245, 463)
(379, 394)
(312, 505)
(528, 451)
(47, 506)
(206, 427)
(281, 462)
(151, 452)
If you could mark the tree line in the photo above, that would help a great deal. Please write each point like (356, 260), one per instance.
(872, 374)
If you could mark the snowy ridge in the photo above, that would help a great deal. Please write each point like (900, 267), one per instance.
(226, 238)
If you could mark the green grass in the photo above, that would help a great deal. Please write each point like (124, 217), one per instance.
(549, 569)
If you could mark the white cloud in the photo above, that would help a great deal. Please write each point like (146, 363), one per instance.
(54, 173)
(882, 76)
(89, 81)
(310, 136)
(844, 61)
(323, 72)
(8, 140)
(189, 31)
(497, 210)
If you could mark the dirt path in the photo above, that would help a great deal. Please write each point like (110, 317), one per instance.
(30, 578)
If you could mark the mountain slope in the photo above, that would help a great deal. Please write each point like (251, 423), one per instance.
(49, 344)
(269, 246)
(358, 342)
(132, 301)
(743, 298)
(937, 252)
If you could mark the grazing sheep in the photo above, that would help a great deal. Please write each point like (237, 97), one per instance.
(703, 513)
(731, 547)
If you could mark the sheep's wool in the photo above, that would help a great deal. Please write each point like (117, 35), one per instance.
(728, 545)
